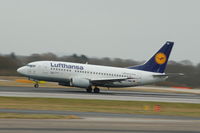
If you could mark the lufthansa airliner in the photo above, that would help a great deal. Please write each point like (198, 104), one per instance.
(91, 77)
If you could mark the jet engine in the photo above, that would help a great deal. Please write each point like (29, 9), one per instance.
(80, 82)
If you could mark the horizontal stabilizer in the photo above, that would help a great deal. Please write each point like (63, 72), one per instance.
(169, 75)
(160, 76)
(174, 74)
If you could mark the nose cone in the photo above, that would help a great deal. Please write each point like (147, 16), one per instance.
(20, 70)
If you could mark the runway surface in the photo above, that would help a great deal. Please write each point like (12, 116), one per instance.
(104, 95)
(99, 125)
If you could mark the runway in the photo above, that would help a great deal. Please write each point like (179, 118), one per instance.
(77, 93)
(100, 125)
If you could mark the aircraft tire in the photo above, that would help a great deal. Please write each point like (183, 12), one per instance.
(89, 90)
(36, 85)
(96, 90)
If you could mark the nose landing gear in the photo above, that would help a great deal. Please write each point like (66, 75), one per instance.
(36, 85)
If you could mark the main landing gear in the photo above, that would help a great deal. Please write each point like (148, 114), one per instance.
(89, 90)
(96, 90)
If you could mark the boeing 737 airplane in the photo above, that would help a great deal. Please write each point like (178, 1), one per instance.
(90, 77)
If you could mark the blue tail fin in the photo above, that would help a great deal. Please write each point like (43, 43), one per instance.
(159, 61)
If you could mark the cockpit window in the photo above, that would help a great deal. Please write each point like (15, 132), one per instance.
(29, 65)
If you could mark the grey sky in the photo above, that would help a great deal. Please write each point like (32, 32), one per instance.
(128, 29)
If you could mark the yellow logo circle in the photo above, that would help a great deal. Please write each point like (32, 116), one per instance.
(160, 58)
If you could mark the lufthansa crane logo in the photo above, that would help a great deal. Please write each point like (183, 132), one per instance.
(160, 58)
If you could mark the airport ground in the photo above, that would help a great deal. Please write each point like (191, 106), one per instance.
(99, 125)
(14, 101)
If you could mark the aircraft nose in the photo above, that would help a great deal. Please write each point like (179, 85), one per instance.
(20, 70)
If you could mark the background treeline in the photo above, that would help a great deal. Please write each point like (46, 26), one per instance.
(9, 64)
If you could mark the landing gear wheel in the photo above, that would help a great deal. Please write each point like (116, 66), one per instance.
(89, 90)
(96, 90)
(36, 85)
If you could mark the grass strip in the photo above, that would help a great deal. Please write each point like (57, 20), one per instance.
(107, 106)
(35, 116)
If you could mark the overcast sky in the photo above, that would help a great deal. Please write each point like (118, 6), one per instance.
(127, 29)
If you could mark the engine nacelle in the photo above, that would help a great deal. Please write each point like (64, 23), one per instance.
(80, 82)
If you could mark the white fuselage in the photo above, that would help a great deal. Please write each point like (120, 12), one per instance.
(63, 72)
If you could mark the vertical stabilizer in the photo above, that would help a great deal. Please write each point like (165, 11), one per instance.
(158, 62)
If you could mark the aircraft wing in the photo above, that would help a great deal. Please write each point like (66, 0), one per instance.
(107, 80)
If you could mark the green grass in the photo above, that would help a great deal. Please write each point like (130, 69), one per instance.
(128, 107)
(35, 116)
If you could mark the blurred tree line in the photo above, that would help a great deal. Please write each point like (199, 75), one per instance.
(9, 64)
